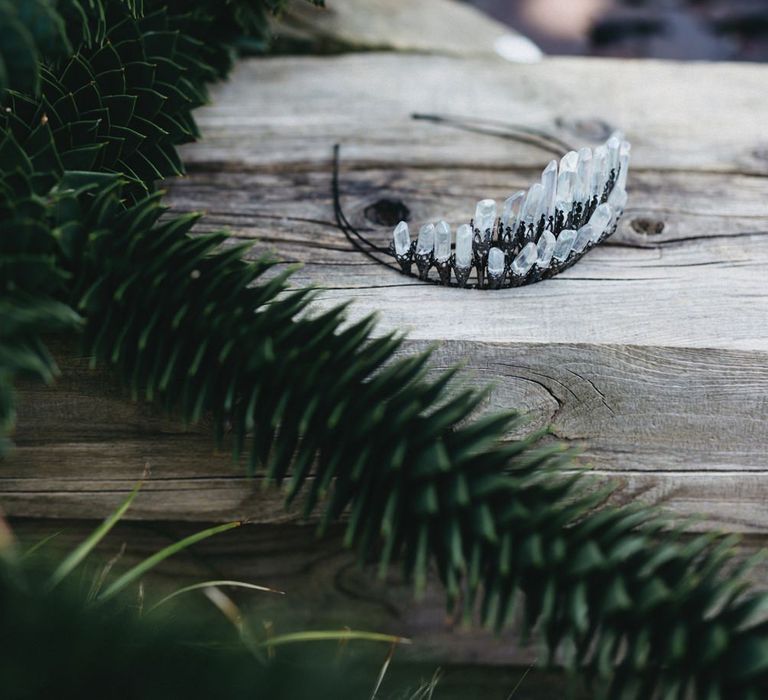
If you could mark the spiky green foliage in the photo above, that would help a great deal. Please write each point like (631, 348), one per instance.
(31, 277)
(120, 106)
(189, 324)
(30, 32)
(100, 87)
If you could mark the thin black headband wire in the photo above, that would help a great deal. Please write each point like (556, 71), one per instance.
(493, 127)
(352, 234)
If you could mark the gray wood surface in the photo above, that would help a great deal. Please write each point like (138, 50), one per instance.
(650, 355)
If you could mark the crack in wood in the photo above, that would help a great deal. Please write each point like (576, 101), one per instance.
(594, 386)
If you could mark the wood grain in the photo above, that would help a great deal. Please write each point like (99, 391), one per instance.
(282, 113)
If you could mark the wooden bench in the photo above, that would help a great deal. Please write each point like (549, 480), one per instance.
(651, 354)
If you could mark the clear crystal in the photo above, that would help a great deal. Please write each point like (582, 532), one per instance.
(624, 153)
(582, 188)
(442, 241)
(510, 214)
(618, 198)
(531, 212)
(599, 170)
(583, 236)
(525, 259)
(569, 161)
(495, 261)
(600, 219)
(566, 180)
(613, 145)
(402, 238)
(485, 215)
(426, 240)
(564, 197)
(549, 183)
(464, 246)
(545, 248)
(564, 244)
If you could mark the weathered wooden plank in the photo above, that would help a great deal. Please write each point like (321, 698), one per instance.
(279, 112)
(700, 282)
(627, 400)
(718, 501)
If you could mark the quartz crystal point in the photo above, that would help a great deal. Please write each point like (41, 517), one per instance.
(426, 240)
(564, 244)
(566, 180)
(496, 262)
(582, 189)
(464, 246)
(549, 185)
(525, 259)
(599, 170)
(569, 161)
(624, 152)
(613, 145)
(600, 220)
(510, 214)
(485, 216)
(583, 236)
(618, 199)
(564, 197)
(442, 242)
(544, 249)
(402, 238)
(531, 212)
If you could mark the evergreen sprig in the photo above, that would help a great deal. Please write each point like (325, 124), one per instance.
(321, 406)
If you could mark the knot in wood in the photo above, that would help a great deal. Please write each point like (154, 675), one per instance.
(647, 226)
(387, 212)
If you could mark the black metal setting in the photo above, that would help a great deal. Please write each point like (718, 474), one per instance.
(406, 260)
(423, 263)
(444, 269)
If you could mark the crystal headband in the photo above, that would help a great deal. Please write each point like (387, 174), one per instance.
(541, 232)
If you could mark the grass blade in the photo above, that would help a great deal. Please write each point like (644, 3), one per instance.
(99, 580)
(85, 548)
(332, 636)
(150, 562)
(39, 544)
(383, 671)
(211, 584)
